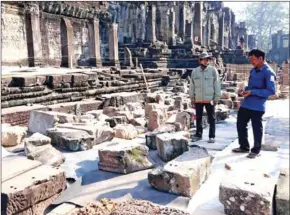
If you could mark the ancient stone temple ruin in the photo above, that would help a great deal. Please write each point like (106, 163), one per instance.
(92, 97)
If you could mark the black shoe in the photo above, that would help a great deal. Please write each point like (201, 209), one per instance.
(252, 155)
(240, 150)
(196, 138)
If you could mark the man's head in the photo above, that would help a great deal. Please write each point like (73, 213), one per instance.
(257, 57)
(204, 59)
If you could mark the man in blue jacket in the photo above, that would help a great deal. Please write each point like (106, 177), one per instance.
(261, 85)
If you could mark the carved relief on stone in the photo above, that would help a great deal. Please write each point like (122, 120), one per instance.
(32, 8)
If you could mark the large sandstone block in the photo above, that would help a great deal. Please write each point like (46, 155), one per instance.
(247, 193)
(154, 106)
(101, 132)
(171, 145)
(183, 118)
(71, 139)
(151, 136)
(282, 195)
(26, 189)
(178, 103)
(139, 121)
(156, 119)
(119, 99)
(40, 121)
(125, 131)
(13, 135)
(134, 106)
(183, 175)
(124, 157)
(115, 120)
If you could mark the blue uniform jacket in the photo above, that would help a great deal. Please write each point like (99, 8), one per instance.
(262, 85)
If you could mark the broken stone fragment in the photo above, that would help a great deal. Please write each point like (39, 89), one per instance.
(183, 118)
(156, 119)
(125, 131)
(29, 188)
(139, 121)
(115, 120)
(38, 139)
(227, 102)
(40, 121)
(100, 131)
(171, 145)
(134, 106)
(110, 111)
(247, 193)
(124, 157)
(183, 175)
(13, 135)
(282, 195)
(154, 106)
(178, 103)
(225, 95)
(160, 99)
(222, 112)
(141, 129)
(71, 139)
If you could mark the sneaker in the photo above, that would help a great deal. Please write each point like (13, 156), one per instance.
(211, 140)
(240, 150)
(252, 155)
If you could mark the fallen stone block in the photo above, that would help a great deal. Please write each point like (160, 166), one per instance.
(71, 139)
(225, 95)
(227, 102)
(27, 189)
(116, 120)
(40, 121)
(183, 175)
(154, 106)
(183, 118)
(222, 112)
(110, 111)
(119, 99)
(13, 135)
(134, 106)
(101, 132)
(171, 145)
(156, 119)
(247, 193)
(38, 139)
(125, 131)
(178, 103)
(151, 136)
(282, 194)
(124, 157)
(141, 129)
(139, 121)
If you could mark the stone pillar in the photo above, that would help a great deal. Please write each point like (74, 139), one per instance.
(150, 24)
(94, 38)
(221, 29)
(198, 7)
(67, 51)
(34, 35)
(171, 38)
(188, 33)
(113, 45)
(182, 21)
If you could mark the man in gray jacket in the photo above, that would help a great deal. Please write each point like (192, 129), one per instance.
(205, 92)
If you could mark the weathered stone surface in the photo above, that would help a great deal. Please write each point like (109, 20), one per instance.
(154, 106)
(156, 119)
(171, 145)
(13, 135)
(134, 106)
(71, 139)
(151, 136)
(124, 157)
(116, 120)
(141, 129)
(222, 112)
(178, 103)
(101, 132)
(282, 195)
(139, 121)
(125, 131)
(225, 95)
(183, 118)
(122, 98)
(247, 193)
(237, 105)
(29, 188)
(38, 139)
(40, 121)
(183, 175)
(110, 111)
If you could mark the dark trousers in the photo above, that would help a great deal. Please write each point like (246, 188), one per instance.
(244, 116)
(210, 110)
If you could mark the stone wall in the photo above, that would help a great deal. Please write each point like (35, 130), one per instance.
(14, 35)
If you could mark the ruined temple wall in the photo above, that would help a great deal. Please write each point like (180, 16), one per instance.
(14, 35)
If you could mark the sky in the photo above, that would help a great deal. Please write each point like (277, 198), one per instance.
(236, 7)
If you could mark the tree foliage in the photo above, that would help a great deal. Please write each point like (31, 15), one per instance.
(265, 18)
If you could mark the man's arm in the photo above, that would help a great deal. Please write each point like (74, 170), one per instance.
(192, 87)
(217, 86)
(270, 87)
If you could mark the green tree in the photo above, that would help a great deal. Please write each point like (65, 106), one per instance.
(265, 18)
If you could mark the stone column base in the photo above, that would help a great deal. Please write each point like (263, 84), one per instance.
(96, 62)
(115, 63)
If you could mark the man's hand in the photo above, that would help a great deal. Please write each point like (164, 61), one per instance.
(240, 92)
(246, 93)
